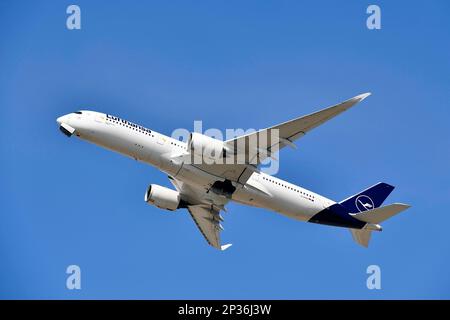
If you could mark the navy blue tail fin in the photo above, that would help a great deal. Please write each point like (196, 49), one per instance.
(368, 199)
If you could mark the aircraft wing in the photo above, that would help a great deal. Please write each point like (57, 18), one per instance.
(207, 218)
(248, 151)
(287, 133)
(205, 211)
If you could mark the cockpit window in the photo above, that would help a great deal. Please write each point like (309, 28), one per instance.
(78, 112)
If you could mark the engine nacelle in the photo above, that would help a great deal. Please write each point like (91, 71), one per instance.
(206, 147)
(162, 197)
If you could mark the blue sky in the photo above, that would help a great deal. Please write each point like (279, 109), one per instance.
(231, 64)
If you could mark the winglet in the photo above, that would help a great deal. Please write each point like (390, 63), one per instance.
(225, 246)
(361, 97)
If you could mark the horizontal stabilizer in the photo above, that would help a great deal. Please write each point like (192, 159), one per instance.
(361, 237)
(380, 214)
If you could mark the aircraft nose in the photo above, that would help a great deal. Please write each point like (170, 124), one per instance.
(61, 119)
(64, 125)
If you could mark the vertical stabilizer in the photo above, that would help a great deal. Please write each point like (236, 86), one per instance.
(368, 199)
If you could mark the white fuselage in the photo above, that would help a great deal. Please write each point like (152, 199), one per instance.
(137, 142)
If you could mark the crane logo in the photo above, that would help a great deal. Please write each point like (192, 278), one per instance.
(364, 203)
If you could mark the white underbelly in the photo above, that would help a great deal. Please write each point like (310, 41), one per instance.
(285, 202)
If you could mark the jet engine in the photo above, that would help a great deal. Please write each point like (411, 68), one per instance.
(162, 197)
(204, 146)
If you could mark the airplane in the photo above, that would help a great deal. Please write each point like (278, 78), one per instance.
(205, 188)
